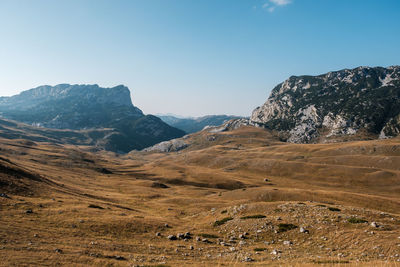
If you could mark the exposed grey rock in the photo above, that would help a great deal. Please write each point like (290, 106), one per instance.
(247, 259)
(303, 230)
(275, 252)
(229, 126)
(287, 243)
(307, 108)
(168, 146)
(374, 224)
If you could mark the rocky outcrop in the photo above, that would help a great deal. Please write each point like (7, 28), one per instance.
(229, 125)
(358, 102)
(168, 146)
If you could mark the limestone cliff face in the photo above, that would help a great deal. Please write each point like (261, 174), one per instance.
(67, 106)
(362, 101)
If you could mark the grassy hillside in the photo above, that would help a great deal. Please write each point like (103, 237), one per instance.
(243, 196)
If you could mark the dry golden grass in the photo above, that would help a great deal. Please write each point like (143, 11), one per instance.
(104, 209)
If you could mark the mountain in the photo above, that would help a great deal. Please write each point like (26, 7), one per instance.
(85, 107)
(192, 125)
(352, 103)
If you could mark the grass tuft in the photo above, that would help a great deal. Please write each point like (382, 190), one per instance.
(222, 221)
(208, 235)
(257, 216)
(283, 227)
(356, 220)
(93, 206)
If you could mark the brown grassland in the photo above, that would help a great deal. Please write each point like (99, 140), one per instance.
(241, 195)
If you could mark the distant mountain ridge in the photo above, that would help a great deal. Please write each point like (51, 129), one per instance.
(78, 107)
(363, 102)
(192, 125)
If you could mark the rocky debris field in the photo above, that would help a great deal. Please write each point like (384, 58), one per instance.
(291, 232)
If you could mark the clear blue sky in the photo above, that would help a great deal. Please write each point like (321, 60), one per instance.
(191, 57)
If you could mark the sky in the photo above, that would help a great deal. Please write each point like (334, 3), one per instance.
(191, 57)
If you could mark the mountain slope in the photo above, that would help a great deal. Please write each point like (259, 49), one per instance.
(80, 107)
(192, 125)
(362, 102)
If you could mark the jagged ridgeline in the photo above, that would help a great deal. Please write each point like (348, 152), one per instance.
(83, 107)
(362, 103)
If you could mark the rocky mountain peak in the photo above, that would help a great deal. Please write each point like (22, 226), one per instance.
(114, 122)
(91, 94)
(66, 106)
(348, 102)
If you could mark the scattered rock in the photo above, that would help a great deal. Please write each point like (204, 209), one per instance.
(247, 259)
(172, 237)
(303, 230)
(28, 211)
(180, 235)
(374, 224)
(158, 234)
(57, 250)
(275, 252)
(191, 247)
(287, 243)
(187, 235)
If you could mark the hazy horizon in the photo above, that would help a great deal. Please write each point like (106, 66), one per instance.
(191, 58)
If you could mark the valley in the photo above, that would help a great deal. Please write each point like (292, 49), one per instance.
(242, 197)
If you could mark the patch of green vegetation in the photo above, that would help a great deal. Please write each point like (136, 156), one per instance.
(356, 220)
(93, 206)
(278, 210)
(222, 221)
(257, 216)
(224, 211)
(331, 261)
(333, 209)
(208, 235)
(283, 227)
(260, 249)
